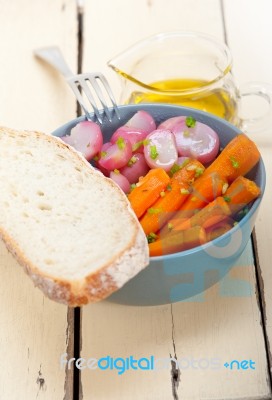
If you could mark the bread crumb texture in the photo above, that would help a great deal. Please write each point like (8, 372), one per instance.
(70, 227)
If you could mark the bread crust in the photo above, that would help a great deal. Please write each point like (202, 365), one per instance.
(109, 277)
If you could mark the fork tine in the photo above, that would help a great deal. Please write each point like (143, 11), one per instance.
(107, 87)
(98, 91)
(74, 86)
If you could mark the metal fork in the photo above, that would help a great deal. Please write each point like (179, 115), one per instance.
(82, 83)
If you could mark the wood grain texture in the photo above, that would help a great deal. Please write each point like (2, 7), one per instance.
(34, 331)
(254, 63)
(226, 323)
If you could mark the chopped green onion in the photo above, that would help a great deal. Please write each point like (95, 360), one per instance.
(133, 186)
(154, 210)
(199, 172)
(227, 199)
(137, 145)
(184, 191)
(151, 237)
(190, 122)
(153, 152)
(169, 188)
(191, 167)
(121, 143)
(146, 142)
(234, 162)
(175, 168)
(132, 161)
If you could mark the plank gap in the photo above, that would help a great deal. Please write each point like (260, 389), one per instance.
(77, 386)
(175, 370)
(222, 10)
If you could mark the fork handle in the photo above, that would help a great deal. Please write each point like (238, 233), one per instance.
(54, 57)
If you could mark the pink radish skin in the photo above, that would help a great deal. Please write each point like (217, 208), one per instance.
(137, 168)
(134, 135)
(162, 142)
(120, 180)
(86, 137)
(200, 142)
(116, 157)
(142, 120)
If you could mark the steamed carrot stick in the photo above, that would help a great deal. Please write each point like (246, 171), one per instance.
(219, 229)
(204, 190)
(214, 212)
(237, 158)
(148, 190)
(181, 240)
(171, 200)
(241, 192)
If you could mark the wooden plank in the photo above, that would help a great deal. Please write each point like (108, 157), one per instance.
(226, 323)
(34, 331)
(255, 38)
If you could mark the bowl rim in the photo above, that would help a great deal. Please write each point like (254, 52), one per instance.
(204, 115)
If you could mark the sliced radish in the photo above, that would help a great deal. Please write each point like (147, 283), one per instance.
(116, 155)
(194, 139)
(136, 167)
(161, 150)
(142, 120)
(120, 180)
(134, 135)
(86, 137)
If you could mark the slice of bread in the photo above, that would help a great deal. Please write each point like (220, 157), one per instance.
(72, 229)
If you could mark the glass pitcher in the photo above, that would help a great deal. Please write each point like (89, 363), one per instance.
(183, 68)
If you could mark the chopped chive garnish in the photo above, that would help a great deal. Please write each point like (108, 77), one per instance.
(234, 162)
(199, 172)
(154, 210)
(227, 199)
(137, 145)
(121, 143)
(190, 122)
(132, 161)
(151, 237)
(153, 152)
(133, 186)
(169, 188)
(175, 168)
(184, 191)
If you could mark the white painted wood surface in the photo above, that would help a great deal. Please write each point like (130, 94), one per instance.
(33, 329)
(253, 62)
(221, 327)
(225, 325)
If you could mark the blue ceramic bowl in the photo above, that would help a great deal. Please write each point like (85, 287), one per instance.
(177, 277)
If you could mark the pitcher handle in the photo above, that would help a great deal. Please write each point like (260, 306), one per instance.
(254, 125)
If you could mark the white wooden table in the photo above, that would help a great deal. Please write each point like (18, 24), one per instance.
(34, 331)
